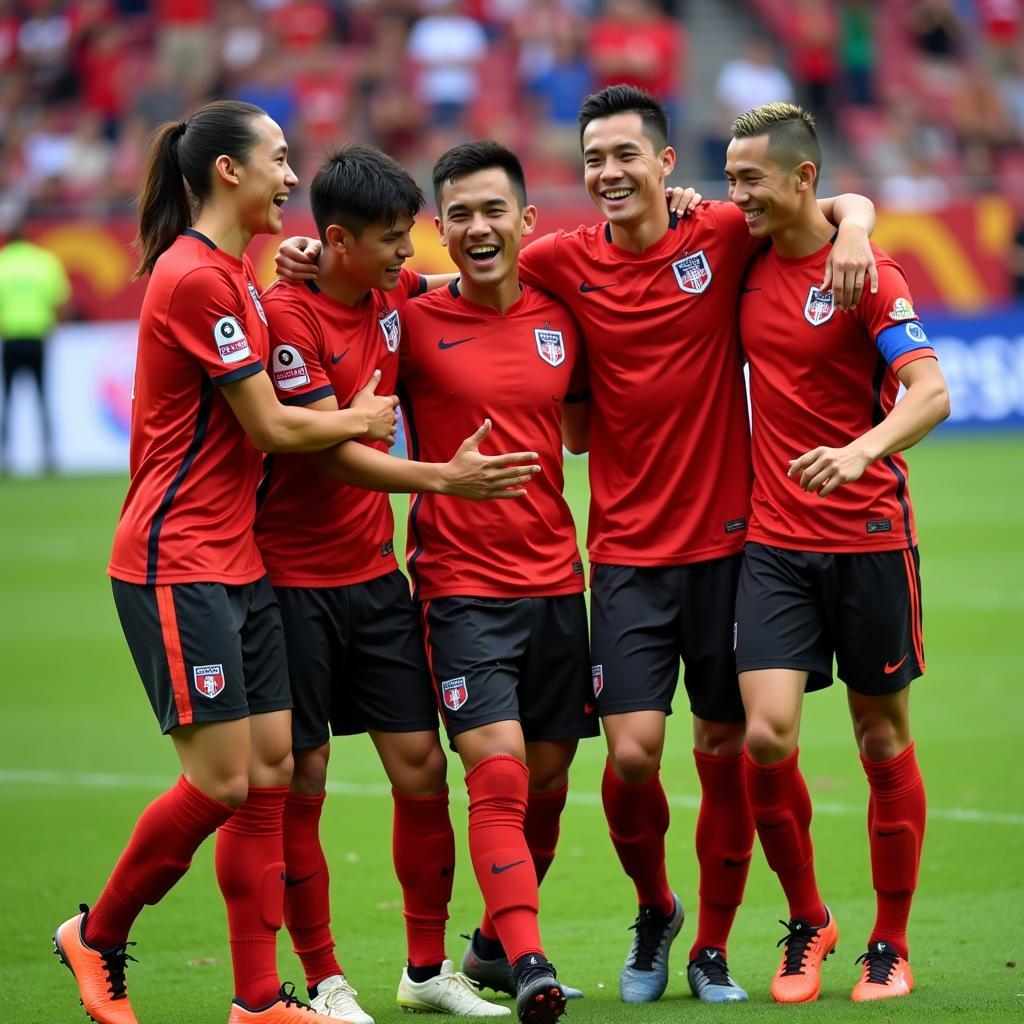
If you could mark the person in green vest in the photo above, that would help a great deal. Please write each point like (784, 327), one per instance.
(34, 293)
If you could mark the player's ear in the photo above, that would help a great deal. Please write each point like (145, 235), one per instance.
(440, 231)
(806, 175)
(224, 168)
(337, 237)
(529, 219)
(668, 160)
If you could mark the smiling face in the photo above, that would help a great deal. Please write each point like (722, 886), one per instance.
(624, 174)
(265, 180)
(482, 224)
(375, 257)
(770, 196)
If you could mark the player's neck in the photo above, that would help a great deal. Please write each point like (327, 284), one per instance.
(220, 225)
(501, 295)
(804, 235)
(335, 282)
(638, 235)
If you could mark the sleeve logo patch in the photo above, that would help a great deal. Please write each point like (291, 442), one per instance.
(915, 332)
(288, 368)
(819, 307)
(209, 680)
(550, 346)
(391, 328)
(902, 310)
(693, 272)
(230, 338)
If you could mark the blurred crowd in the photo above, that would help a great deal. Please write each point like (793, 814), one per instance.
(923, 97)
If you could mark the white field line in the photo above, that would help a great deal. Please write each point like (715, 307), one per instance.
(584, 798)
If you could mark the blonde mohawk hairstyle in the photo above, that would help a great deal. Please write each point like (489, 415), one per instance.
(761, 120)
(792, 139)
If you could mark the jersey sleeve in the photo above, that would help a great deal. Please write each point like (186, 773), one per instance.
(205, 317)
(889, 317)
(579, 381)
(411, 284)
(537, 261)
(296, 352)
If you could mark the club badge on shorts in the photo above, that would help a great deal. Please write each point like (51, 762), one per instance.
(550, 346)
(597, 671)
(819, 307)
(693, 272)
(209, 679)
(454, 693)
(391, 328)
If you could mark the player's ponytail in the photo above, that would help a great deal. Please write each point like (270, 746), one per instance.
(179, 171)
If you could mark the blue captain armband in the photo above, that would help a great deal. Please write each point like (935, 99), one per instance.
(900, 340)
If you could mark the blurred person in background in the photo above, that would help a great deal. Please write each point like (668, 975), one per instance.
(34, 294)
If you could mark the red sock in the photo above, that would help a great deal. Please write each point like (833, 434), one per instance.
(167, 834)
(307, 883)
(725, 841)
(543, 819)
(501, 859)
(782, 811)
(896, 820)
(638, 817)
(423, 846)
(250, 871)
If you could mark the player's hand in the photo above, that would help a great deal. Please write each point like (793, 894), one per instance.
(296, 259)
(822, 470)
(850, 263)
(682, 201)
(476, 476)
(381, 420)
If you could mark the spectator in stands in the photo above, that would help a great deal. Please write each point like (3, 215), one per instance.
(1017, 262)
(90, 158)
(187, 43)
(544, 31)
(857, 51)
(446, 46)
(813, 42)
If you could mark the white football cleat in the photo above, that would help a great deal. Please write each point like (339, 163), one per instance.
(336, 998)
(448, 992)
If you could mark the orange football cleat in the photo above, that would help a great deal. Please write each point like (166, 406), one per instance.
(798, 979)
(99, 972)
(886, 975)
(286, 1010)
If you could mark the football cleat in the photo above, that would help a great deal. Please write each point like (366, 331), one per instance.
(496, 973)
(645, 973)
(798, 979)
(539, 997)
(448, 992)
(709, 978)
(286, 1009)
(98, 972)
(336, 999)
(886, 974)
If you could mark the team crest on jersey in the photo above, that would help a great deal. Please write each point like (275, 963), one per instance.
(256, 299)
(454, 692)
(550, 346)
(209, 679)
(597, 671)
(231, 341)
(693, 273)
(819, 307)
(902, 310)
(288, 368)
(391, 327)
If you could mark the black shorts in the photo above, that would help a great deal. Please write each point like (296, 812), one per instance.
(518, 659)
(206, 652)
(644, 619)
(356, 661)
(796, 609)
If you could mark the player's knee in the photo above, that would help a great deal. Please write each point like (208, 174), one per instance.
(633, 762)
(231, 790)
(273, 768)
(421, 770)
(770, 741)
(881, 739)
(719, 739)
(309, 774)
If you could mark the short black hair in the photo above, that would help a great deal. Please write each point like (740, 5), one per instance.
(626, 99)
(471, 157)
(359, 185)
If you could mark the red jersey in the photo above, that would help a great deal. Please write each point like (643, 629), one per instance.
(670, 470)
(461, 363)
(823, 377)
(314, 531)
(189, 511)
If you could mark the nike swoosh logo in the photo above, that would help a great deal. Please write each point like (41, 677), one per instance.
(889, 669)
(497, 869)
(442, 344)
(337, 359)
(730, 863)
(585, 288)
(289, 882)
(445, 872)
(886, 835)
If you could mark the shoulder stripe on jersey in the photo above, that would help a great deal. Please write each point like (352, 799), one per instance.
(607, 232)
(249, 370)
(405, 401)
(422, 290)
(198, 436)
(454, 288)
(878, 415)
(309, 397)
(192, 233)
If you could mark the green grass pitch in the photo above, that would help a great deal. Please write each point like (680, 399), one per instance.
(80, 756)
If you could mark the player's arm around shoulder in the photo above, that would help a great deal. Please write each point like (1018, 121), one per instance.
(851, 263)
